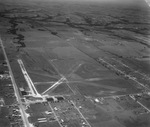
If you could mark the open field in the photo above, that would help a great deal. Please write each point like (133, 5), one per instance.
(62, 89)
(3, 120)
(76, 64)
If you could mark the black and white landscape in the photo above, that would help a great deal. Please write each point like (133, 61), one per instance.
(74, 63)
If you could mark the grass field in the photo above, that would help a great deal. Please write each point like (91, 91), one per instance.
(65, 40)
(62, 89)
(3, 121)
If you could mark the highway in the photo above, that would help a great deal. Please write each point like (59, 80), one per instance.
(23, 114)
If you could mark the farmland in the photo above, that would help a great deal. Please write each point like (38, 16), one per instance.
(74, 64)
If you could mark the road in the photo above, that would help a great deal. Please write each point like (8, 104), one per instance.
(87, 123)
(135, 71)
(123, 73)
(140, 103)
(55, 114)
(25, 119)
